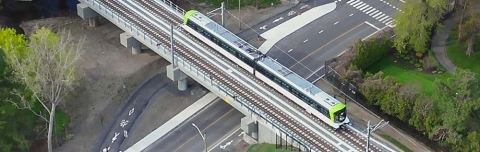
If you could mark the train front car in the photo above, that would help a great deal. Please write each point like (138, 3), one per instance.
(338, 114)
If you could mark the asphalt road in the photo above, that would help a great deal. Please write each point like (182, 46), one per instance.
(114, 137)
(219, 121)
(306, 50)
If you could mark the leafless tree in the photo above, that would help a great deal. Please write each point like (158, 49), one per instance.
(48, 69)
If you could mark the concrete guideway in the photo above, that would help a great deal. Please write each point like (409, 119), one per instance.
(277, 33)
(172, 123)
(195, 74)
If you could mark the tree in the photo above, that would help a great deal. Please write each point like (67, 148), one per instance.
(458, 98)
(14, 137)
(424, 117)
(48, 69)
(469, 26)
(412, 29)
(414, 24)
(471, 143)
(369, 51)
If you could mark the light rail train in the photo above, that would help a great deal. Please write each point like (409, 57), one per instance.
(303, 93)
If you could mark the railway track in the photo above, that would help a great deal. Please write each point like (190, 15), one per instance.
(243, 92)
(349, 135)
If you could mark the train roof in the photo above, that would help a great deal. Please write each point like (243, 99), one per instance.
(253, 52)
(226, 34)
(303, 84)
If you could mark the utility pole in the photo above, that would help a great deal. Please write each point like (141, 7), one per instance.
(171, 46)
(372, 128)
(223, 16)
(239, 16)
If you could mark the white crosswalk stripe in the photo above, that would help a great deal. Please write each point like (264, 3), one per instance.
(368, 12)
(368, 9)
(372, 12)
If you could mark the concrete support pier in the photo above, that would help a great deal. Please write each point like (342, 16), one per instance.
(176, 74)
(87, 13)
(250, 128)
(129, 41)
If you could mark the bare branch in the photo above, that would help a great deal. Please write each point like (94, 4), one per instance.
(24, 104)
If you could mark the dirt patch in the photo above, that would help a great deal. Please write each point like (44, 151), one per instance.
(108, 74)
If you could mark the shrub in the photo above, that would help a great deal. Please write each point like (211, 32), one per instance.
(418, 65)
(420, 69)
(406, 58)
(411, 62)
(396, 56)
(428, 63)
(402, 55)
(418, 54)
(421, 61)
(368, 52)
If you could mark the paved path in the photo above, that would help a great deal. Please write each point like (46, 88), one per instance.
(439, 41)
(113, 138)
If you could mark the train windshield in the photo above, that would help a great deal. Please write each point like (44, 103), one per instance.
(341, 115)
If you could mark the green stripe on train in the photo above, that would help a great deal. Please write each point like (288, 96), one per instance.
(187, 15)
(336, 108)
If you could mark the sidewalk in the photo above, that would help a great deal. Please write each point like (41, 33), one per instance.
(361, 115)
(439, 41)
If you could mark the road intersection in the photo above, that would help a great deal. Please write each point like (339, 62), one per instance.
(305, 50)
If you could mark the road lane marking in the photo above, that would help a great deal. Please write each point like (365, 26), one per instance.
(351, 14)
(290, 50)
(303, 42)
(216, 145)
(320, 32)
(371, 35)
(335, 23)
(327, 44)
(203, 130)
(378, 29)
(315, 71)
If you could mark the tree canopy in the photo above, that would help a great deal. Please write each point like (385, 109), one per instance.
(47, 68)
(414, 24)
(16, 126)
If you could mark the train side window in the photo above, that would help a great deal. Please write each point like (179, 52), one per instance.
(294, 91)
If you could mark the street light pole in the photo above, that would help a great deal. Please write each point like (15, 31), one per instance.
(201, 135)
(239, 16)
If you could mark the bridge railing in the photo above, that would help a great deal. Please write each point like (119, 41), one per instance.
(173, 6)
(188, 67)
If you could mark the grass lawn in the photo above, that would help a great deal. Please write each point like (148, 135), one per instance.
(456, 53)
(396, 143)
(404, 75)
(266, 148)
